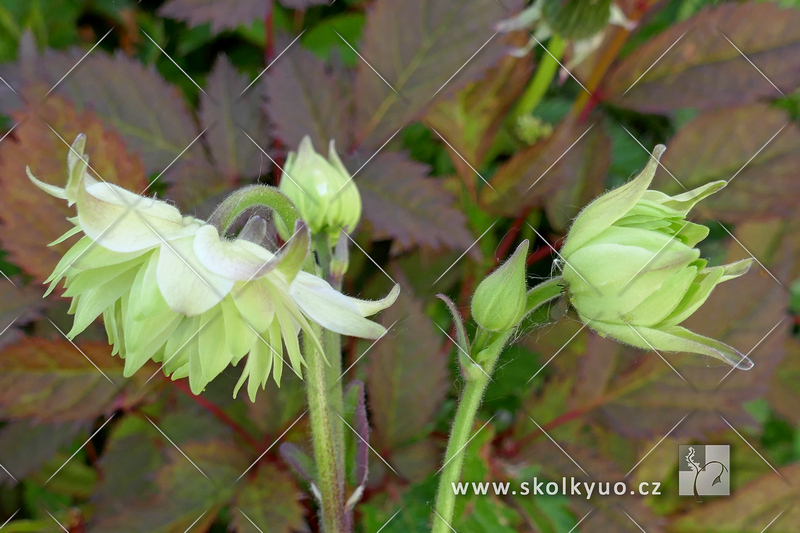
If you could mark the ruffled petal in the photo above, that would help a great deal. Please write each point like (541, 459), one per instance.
(239, 260)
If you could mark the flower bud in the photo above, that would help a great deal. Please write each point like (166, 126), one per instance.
(633, 270)
(499, 301)
(323, 191)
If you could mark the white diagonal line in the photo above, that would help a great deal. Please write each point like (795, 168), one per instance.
(9, 474)
(368, 349)
(390, 519)
(581, 520)
(176, 447)
(196, 521)
(560, 64)
(368, 446)
(465, 64)
(9, 131)
(773, 521)
(561, 257)
(753, 64)
(751, 351)
(369, 257)
(248, 519)
(370, 158)
(657, 444)
(558, 352)
(56, 521)
(79, 62)
(270, 264)
(9, 519)
(461, 157)
(367, 63)
(9, 86)
(204, 324)
(751, 446)
(632, 520)
(7, 278)
(657, 353)
(460, 349)
(10, 324)
(559, 446)
(173, 62)
(445, 521)
(271, 63)
(559, 158)
(672, 238)
(651, 155)
(271, 445)
(642, 76)
(79, 449)
(465, 445)
(283, 172)
(465, 253)
(751, 255)
(756, 154)
(173, 161)
(82, 353)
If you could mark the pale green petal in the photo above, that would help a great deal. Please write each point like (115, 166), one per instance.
(683, 203)
(70, 233)
(146, 338)
(609, 207)
(663, 301)
(674, 339)
(255, 303)
(93, 302)
(294, 252)
(239, 260)
(333, 310)
(214, 354)
(277, 352)
(186, 284)
(52, 190)
(239, 335)
(734, 270)
(289, 335)
(181, 344)
(91, 279)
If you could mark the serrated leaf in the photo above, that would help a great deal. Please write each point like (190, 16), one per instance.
(740, 144)
(750, 509)
(558, 173)
(230, 116)
(407, 376)
(402, 203)
(704, 70)
(32, 219)
(52, 381)
(222, 14)
(304, 97)
(269, 502)
(417, 46)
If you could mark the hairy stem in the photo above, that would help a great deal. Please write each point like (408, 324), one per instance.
(545, 73)
(329, 476)
(485, 350)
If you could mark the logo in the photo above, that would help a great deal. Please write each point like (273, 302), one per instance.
(704, 470)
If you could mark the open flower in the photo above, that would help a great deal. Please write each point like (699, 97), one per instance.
(633, 270)
(172, 289)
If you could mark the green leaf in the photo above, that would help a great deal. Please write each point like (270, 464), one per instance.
(269, 502)
(704, 70)
(322, 38)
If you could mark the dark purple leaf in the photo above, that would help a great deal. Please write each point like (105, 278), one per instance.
(222, 14)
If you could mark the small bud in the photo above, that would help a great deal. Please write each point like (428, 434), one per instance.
(499, 301)
(323, 191)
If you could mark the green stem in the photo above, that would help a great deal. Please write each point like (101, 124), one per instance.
(245, 198)
(545, 73)
(485, 351)
(330, 477)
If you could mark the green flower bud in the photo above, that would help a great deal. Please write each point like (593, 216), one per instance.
(322, 190)
(633, 270)
(499, 301)
(576, 19)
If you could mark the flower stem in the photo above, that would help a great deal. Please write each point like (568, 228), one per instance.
(545, 72)
(485, 351)
(329, 476)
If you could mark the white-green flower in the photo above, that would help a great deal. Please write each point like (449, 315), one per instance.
(633, 270)
(171, 289)
(322, 190)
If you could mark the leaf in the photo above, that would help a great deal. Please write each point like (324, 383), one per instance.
(269, 502)
(357, 442)
(727, 145)
(407, 376)
(402, 203)
(51, 381)
(222, 14)
(704, 70)
(26, 446)
(750, 509)
(18, 305)
(561, 172)
(304, 4)
(304, 97)
(230, 116)
(471, 118)
(417, 47)
(32, 219)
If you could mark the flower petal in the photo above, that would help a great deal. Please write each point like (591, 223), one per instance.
(186, 284)
(239, 260)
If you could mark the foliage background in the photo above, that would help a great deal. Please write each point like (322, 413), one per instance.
(199, 97)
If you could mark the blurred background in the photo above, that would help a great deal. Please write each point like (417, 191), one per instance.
(464, 137)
